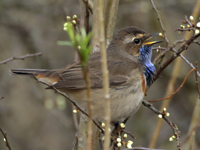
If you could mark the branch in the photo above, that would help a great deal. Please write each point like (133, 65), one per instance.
(5, 139)
(176, 54)
(171, 124)
(20, 58)
(168, 97)
(190, 64)
(174, 50)
(63, 94)
(160, 21)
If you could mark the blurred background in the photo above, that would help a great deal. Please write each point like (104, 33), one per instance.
(39, 119)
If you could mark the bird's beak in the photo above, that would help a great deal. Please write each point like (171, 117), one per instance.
(151, 42)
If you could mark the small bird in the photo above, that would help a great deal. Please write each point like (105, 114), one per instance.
(130, 73)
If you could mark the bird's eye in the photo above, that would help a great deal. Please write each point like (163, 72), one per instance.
(136, 41)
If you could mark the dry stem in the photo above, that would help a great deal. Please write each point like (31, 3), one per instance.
(105, 74)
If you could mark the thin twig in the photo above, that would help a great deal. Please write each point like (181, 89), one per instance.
(176, 54)
(63, 94)
(187, 20)
(174, 50)
(197, 80)
(161, 23)
(168, 97)
(175, 70)
(190, 64)
(75, 118)
(20, 57)
(195, 122)
(75, 142)
(197, 42)
(160, 55)
(5, 139)
(171, 124)
(130, 134)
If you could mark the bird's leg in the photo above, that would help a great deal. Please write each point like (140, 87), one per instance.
(116, 133)
(126, 120)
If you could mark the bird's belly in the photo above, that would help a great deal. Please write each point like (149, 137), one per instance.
(124, 101)
(126, 105)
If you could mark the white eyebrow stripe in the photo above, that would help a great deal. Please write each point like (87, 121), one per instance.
(128, 39)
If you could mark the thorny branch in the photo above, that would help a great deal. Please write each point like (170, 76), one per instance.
(5, 139)
(20, 57)
(171, 124)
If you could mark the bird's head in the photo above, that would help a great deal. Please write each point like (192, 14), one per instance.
(131, 40)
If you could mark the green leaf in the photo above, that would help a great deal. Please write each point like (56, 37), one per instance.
(65, 43)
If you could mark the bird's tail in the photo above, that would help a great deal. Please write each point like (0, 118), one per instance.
(28, 71)
(47, 76)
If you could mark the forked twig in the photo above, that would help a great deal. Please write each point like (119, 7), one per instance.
(176, 54)
(165, 50)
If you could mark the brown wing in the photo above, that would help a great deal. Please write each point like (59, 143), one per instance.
(119, 70)
(71, 77)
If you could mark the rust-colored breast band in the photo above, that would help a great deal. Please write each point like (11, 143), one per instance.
(143, 84)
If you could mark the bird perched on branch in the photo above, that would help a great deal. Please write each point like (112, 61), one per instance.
(130, 73)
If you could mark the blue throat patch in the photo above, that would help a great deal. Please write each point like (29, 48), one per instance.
(145, 60)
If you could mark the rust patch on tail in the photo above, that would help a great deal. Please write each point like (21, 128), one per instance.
(40, 76)
(50, 79)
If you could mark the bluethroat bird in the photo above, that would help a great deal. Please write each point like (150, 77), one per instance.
(130, 73)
